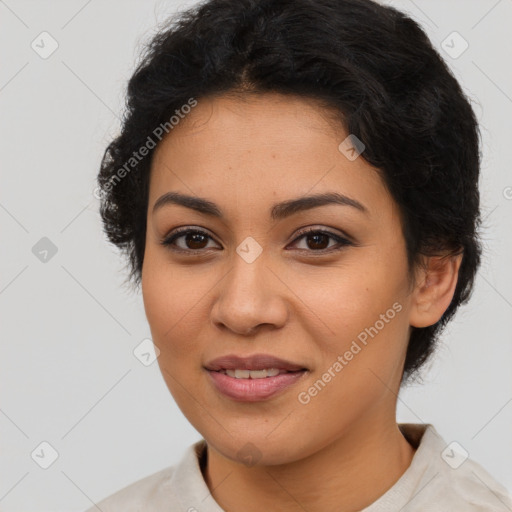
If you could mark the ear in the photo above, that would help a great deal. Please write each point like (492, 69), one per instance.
(436, 280)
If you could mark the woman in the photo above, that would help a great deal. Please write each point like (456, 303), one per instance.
(296, 187)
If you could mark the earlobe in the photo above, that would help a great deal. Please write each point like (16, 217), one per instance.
(436, 283)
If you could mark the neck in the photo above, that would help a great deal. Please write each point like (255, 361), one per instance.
(348, 474)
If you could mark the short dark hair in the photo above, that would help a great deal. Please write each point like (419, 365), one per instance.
(370, 63)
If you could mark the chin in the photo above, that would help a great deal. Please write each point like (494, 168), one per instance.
(257, 448)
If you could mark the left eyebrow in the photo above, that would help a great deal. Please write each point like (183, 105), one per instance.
(292, 206)
(278, 210)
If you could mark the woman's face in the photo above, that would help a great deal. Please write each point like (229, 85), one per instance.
(334, 302)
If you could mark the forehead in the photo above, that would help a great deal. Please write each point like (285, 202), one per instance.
(243, 149)
(253, 110)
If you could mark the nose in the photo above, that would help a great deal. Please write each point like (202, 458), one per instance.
(250, 296)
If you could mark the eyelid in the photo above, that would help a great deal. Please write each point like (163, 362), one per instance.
(326, 231)
(343, 240)
(168, 240)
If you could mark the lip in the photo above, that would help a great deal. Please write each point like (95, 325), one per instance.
(253, 390)
(254, 362)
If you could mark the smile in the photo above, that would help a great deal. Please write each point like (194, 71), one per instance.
(253, 374)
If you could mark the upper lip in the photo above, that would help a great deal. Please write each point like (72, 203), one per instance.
(254, 362)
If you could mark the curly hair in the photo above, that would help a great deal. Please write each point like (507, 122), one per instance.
(371, 64)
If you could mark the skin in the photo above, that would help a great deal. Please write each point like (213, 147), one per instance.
(343, 449)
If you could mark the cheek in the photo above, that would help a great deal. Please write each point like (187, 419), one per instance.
(365, 308)
(170, 302)
(354, 297)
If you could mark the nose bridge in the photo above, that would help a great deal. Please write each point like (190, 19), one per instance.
(247, 296)
(247, 281)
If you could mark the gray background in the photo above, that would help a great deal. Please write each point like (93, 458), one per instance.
(68, 327)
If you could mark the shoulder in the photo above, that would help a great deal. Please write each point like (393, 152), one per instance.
(472, 486)
(166, 490)
(137, 496)
(451, 480)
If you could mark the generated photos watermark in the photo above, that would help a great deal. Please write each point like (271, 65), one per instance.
(304, 397)
(150, 143)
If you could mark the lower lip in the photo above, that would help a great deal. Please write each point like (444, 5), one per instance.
(253, 390)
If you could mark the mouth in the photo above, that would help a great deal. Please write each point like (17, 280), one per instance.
(254, 363)
(254, 378)
(254, 374)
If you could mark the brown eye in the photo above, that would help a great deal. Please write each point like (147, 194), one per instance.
(195, 240)
(191, 240)
(318, 241)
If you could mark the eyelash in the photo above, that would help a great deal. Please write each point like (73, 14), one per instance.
(169, 240)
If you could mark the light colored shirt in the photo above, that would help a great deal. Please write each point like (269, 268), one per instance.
(440, 478)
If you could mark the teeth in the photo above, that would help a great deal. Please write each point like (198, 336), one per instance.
(253, 374)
